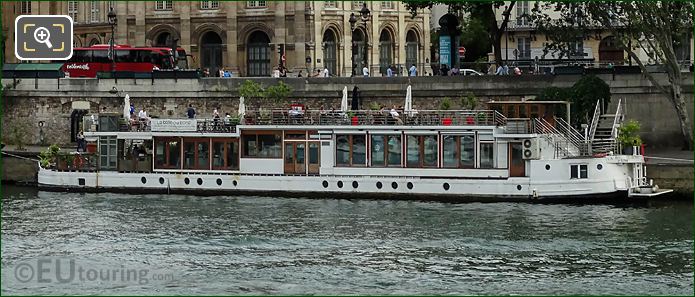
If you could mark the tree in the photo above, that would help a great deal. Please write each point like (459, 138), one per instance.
(484, 11)
(649, 26)
(250, 89)
(278, 92)
(582, 96)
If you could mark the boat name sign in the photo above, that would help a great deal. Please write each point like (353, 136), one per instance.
(169, 125)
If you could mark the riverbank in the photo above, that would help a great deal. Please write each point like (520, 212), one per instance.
(670, 169)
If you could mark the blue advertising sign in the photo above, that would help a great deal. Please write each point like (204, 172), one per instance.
(445, 50)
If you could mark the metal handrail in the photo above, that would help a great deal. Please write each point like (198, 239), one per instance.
(562, 144)
(618, 119)
(594, 120)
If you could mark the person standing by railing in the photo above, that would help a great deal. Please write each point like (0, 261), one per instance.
(412, 71)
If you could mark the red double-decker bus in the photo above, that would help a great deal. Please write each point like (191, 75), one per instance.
(87, 61)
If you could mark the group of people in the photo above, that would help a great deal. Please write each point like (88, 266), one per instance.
(141, 120)
(216, 118)
(503, 69)
(392, 71)
(220, 73)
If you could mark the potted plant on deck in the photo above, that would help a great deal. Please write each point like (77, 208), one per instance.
(628, 136)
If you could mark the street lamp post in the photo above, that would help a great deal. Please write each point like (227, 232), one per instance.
(364, 12)
(364, 15)
(112, 22)
(352, 21)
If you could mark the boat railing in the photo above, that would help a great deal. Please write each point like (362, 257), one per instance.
(594, 120)
(564, 146)
(375, 118)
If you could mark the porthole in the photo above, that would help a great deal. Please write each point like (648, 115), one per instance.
(234, 183)
(410, 186)
(547, 166)
(340, 184)
(599, 166)
(446, 186)
(81, 181)
(378, 185)
(186, 181)
(518, 187)
(161, 180)
(394, 185)
(219, 181)
(325, 184)
(143, 180)
(355, 184)
(200, 181)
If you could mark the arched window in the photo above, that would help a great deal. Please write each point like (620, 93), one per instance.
(385, 51)
(411, 49)
(164, 39)
(330, 52)
(359, 51)
(210, 51)
(258, 54)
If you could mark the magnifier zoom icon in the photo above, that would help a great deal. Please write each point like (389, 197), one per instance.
(42, 35)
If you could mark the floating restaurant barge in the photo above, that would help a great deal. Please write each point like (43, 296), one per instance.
(513, 151)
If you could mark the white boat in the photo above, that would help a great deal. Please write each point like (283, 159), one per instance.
(461, 155)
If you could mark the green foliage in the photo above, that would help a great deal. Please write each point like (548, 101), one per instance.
(278, 92)
(628, 133)
(374, 106)
(475, 37)
(250, 89)
(582, 96)
(445, 104)
(48, 156)
(18, 134)
(469, 102)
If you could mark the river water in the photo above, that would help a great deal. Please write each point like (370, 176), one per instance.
(67, 243)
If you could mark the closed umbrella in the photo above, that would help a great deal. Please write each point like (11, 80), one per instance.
(126, 107)
(344, 103)
(242, 106)
(408, 107)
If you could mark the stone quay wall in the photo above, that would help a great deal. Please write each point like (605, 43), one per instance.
(29, 102)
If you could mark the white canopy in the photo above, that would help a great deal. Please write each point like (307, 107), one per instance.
(242, 106)
(126, 107)
(344, 103)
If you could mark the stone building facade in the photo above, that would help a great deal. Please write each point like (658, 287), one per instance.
(250, 38)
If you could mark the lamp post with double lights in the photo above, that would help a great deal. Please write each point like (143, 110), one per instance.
(112, 22)
(364, 15)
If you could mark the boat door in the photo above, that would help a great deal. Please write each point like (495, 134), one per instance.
(314, 156)
(295, 157)
(517, 164)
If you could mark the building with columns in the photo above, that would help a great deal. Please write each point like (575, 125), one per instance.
(250, 38)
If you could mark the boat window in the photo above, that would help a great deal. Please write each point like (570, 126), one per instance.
(450, 152)
(225, 154)
(579, 171)
(196, 153)
(394, 150)
(486, 155)
(378, 150)
(413, 151)
(300, 153)
(313, 153)
(351, 150)
(167, 153)
(262, 145)
(467, 151)
(342, 150)
(385, 150)
(430, 151)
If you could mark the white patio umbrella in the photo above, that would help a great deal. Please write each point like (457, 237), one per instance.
(242, 106)
(126, 107)
(344, 103)
(408, 107)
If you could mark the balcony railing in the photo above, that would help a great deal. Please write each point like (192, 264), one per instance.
(319, 117)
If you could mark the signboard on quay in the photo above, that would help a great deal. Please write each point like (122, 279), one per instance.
(445, 50)
(173, 125)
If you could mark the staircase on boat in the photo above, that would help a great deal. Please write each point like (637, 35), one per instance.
(569, 143)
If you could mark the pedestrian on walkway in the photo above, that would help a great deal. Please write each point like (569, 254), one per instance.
(191, 112)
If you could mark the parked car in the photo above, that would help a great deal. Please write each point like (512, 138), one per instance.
(469, 72)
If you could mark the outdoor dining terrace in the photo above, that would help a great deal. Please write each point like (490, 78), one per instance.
(276, 117)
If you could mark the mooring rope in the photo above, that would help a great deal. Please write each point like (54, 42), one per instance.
(20, 157)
